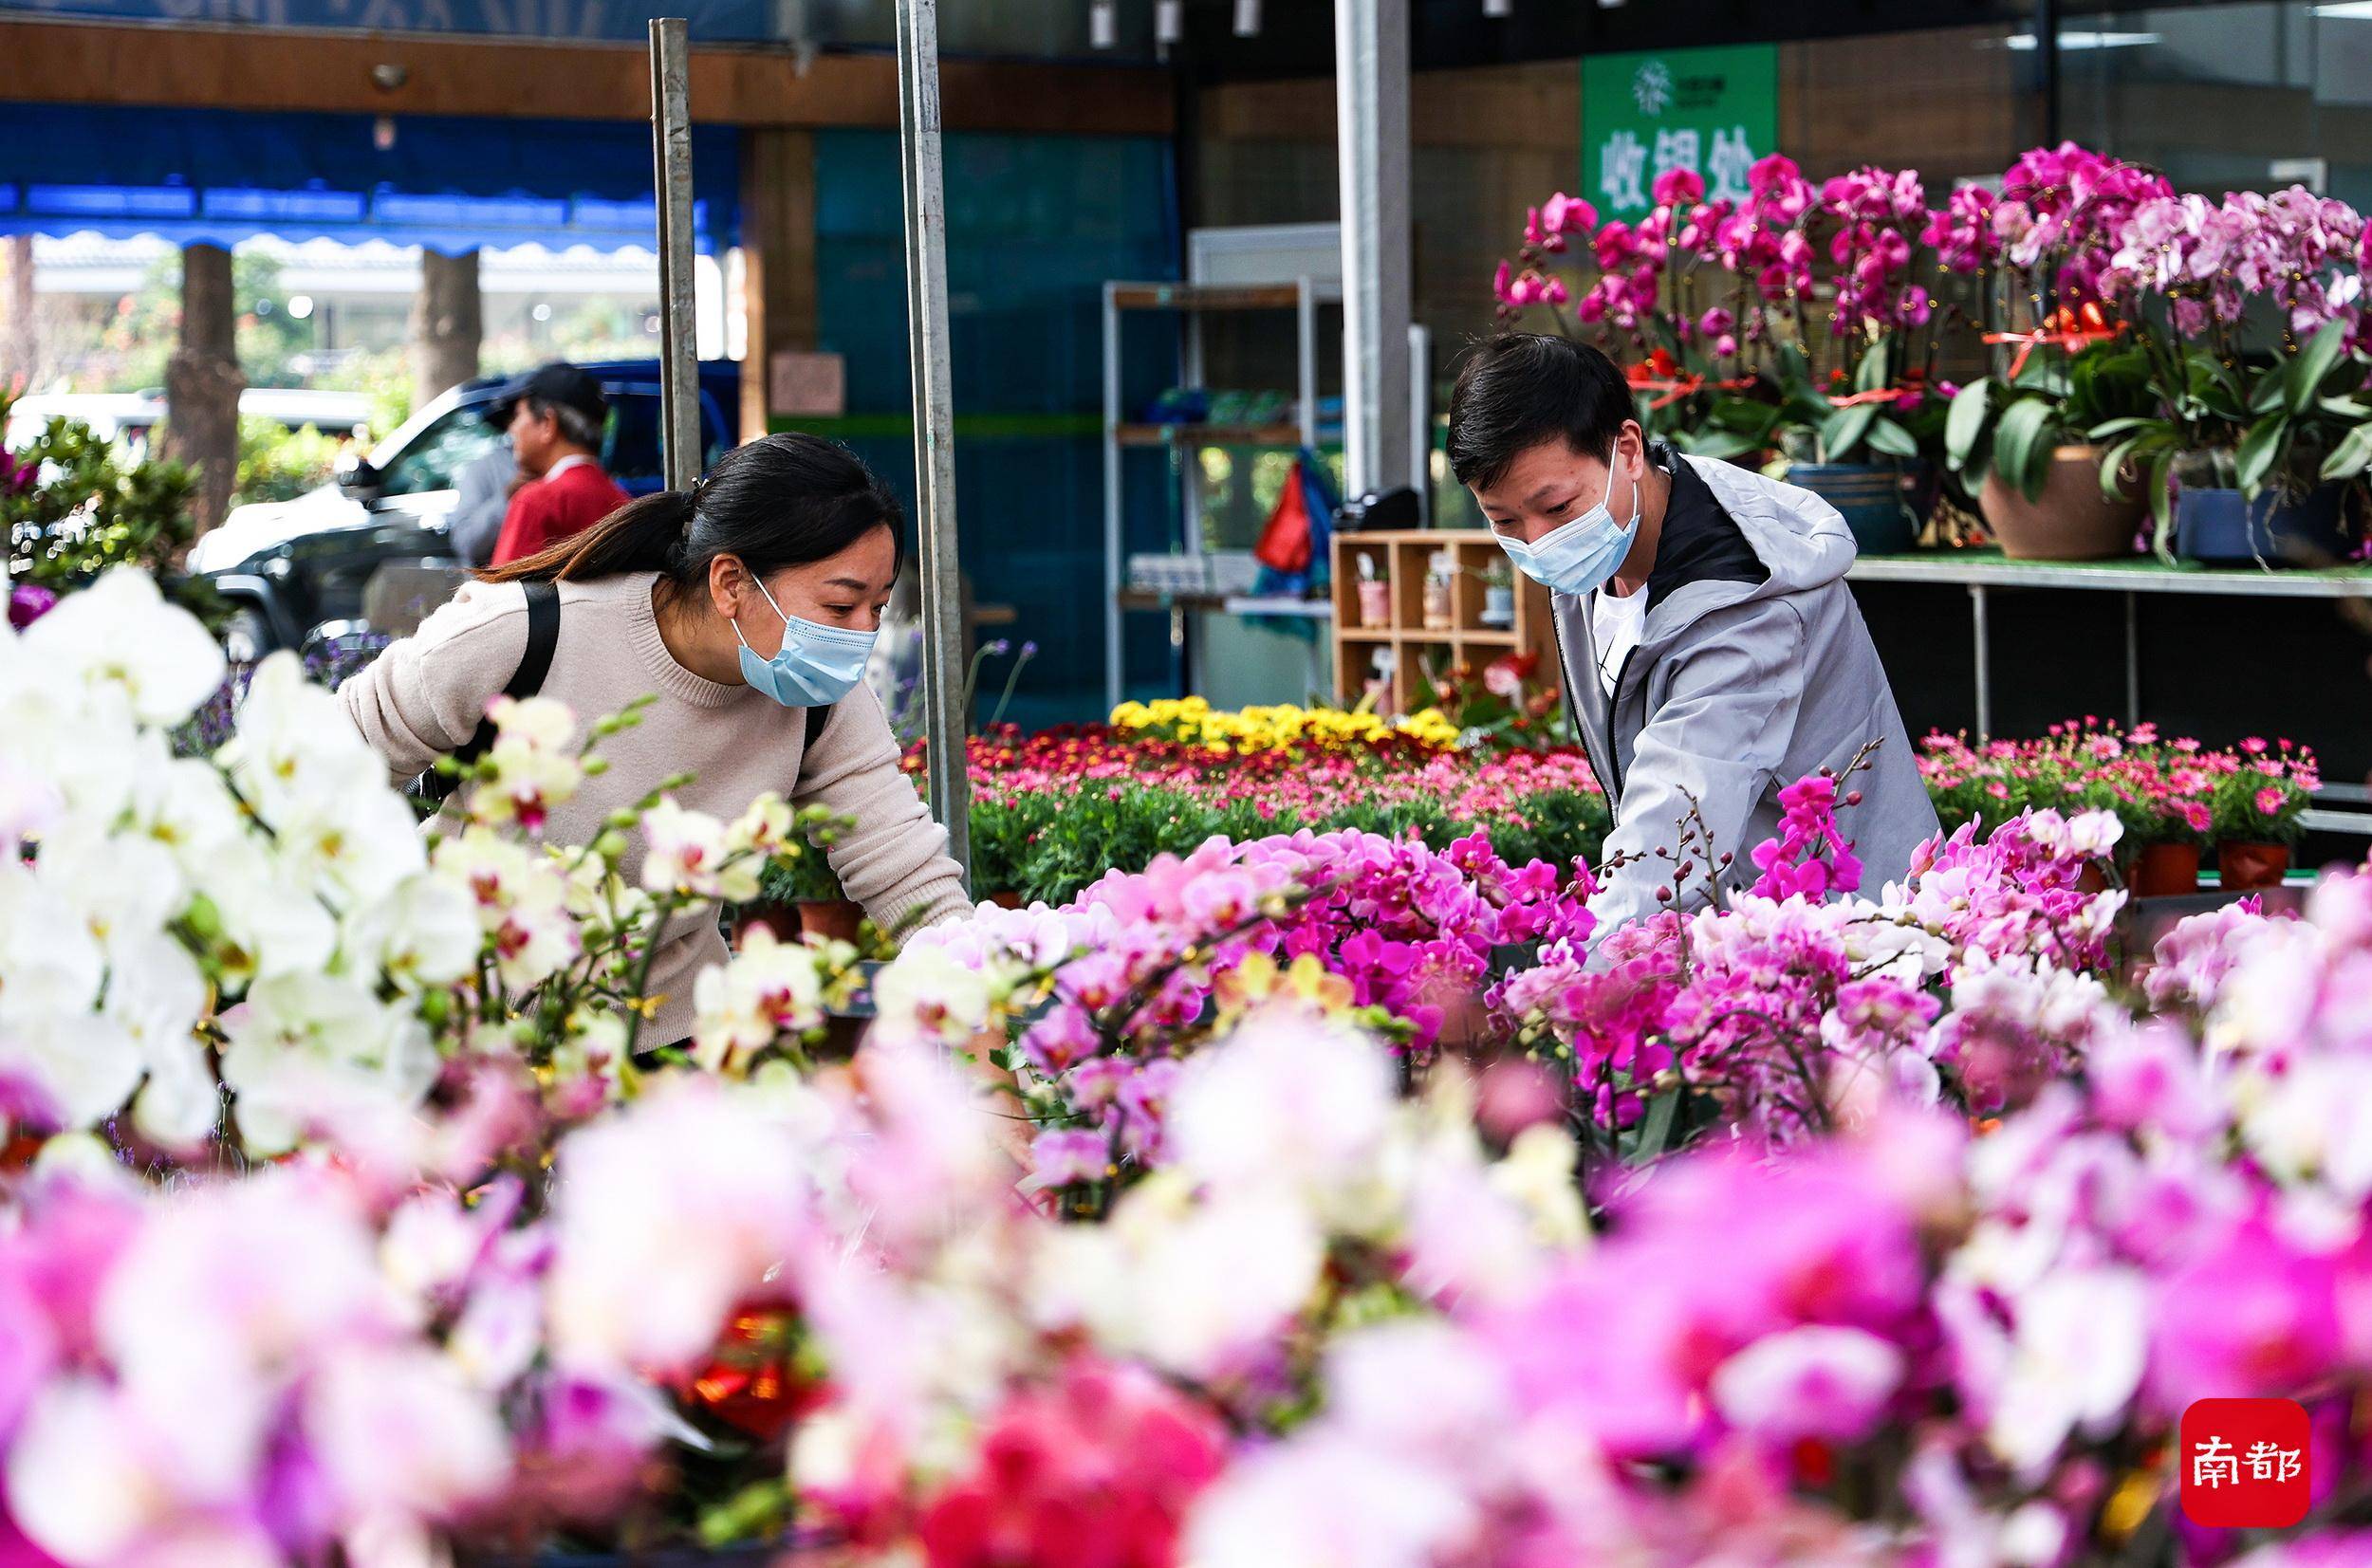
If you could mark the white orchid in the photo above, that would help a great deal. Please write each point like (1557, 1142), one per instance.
(688, 855)
(534, 763)
(310, 1048)
(120, 635)
(928, 995)
(768, 989)
(522, 898)
(422, 932)
(2076, 1361)
(296, 748)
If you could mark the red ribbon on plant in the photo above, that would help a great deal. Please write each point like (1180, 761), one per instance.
(1661, 373)
(2061, 328)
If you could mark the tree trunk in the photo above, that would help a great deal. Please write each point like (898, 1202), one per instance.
(203, 382)
(20, 347)
(447, 324)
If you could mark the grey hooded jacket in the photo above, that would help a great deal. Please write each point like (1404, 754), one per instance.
(1735, 690)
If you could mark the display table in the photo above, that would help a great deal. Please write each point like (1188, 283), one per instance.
(1983, 570)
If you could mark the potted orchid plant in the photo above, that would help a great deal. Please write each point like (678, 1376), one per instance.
(1691, 299)
(2259, 423)
(2022, 437)
(1798, 325)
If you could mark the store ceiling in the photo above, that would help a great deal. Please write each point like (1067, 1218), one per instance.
(1296, 37)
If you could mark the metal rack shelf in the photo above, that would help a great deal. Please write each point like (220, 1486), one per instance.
(1980, 571)
(1192, 302)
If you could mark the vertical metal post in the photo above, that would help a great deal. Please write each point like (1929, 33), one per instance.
(1984, 661)
(2046, 56)
(678, 340)
(1306, 356)
(1371, 107)
(1420, 419)
(1114, 542)
(922, 163)
(2133, 660)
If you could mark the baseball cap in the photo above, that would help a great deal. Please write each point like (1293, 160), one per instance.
(557, 382)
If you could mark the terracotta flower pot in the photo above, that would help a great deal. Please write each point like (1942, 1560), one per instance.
(2165, 871)
(2093, 877)
(782, 920)
(2070, 521)
(1006, 898)
(2244, 868)
(835, 919)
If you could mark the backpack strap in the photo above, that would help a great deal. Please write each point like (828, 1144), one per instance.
(525, 681)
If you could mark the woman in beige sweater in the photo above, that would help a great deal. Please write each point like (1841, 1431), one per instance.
(741, 604)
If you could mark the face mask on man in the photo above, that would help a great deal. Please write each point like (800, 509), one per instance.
(817, 666)
(1580, 556)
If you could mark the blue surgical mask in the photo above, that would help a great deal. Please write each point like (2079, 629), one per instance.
(817, 667)
(1580, 556)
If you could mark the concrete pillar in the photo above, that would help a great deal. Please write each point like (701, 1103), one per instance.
(203, 382)
(447, 325)
(778, 260)
(20, 344)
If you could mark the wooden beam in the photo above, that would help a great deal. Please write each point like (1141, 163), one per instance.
(778, 287)
(51, 62)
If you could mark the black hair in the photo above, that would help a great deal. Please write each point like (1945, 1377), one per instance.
(780, 501)
(1522, 388)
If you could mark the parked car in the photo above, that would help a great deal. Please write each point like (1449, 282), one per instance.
(130, 418)
(289, 568)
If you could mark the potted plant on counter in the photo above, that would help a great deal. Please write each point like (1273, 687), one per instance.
(2260, 808)
(2260, 422)
(2020, 441)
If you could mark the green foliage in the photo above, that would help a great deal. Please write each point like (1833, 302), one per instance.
(384, 375)
(2256, 806)
(2014, 427)
(2285, 421)
(71, 509)
(280, 464)
(1052, 845)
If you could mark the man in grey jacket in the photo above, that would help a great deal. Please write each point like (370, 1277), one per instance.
(1712, 652)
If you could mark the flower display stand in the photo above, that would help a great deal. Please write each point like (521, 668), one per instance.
(1418, 653)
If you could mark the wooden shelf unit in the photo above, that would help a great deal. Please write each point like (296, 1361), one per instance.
(1404, 557)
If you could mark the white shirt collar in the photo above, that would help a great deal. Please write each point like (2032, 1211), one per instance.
(574, 460)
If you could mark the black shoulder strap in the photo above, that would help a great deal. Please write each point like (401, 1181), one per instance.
(525, 681)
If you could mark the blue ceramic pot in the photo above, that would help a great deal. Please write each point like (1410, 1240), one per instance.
(1875, 498)
(2226, 528)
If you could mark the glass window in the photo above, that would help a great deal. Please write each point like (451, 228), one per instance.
(2227, 97)
(442, 450)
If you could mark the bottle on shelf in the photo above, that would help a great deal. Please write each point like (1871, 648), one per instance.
(1375, 594)
(1440, 583)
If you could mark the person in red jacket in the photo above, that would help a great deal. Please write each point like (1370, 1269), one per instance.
(554, 417)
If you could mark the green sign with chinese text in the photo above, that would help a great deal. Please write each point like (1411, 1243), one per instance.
(1715, 111)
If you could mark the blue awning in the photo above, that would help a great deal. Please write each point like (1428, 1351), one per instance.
(450, 184)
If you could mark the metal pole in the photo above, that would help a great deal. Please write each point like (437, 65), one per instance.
(678, 340)
(1115, 563)
(921, 164)
(2046, 55)
(1984, 661)
(2133, 660)
(1371, 105)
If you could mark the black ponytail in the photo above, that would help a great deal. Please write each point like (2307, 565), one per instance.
(780, 501)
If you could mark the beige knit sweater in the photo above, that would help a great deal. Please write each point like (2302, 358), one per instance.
(423, 697)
